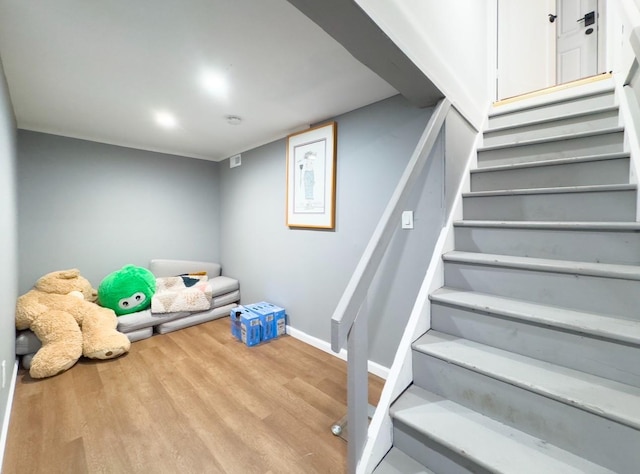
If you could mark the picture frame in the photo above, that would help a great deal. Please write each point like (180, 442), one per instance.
(311, 177)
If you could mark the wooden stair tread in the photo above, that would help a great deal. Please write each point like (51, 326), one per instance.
(491, 444)
(552, 162)
(594, 188)
(594, 325)
(561, 93)
(606, 270)
(553, 118)
(602, 397)
(554, 225)
(555, 138)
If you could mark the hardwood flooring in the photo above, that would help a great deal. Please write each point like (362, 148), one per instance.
(191, 401)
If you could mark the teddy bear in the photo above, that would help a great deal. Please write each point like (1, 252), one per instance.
(61, 311)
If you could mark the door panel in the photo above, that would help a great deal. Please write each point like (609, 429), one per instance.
(569, 65)
(577, 41)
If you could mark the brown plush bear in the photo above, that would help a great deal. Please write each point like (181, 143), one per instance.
(62, 312)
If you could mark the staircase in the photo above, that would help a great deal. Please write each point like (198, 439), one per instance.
(532, 362)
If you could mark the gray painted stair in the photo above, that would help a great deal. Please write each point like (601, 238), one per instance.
(572, 123)
(581, 286)
(596, 142)
(600, 345)
(532, 360)
(613, 202)
(612, 168)
(567, 408)
(603, 242)
(397, 462)
(551, 109)
(454, 439)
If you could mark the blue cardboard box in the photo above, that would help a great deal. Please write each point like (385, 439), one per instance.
(272, 319)
(250, 328)
(279, 318)
(235, 315)
(266, 319)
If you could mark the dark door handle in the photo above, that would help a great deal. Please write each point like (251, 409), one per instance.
(589, 18)
(552, 17)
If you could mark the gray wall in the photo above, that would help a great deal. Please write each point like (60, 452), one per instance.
(97, 207)
(306, 271)
(402, 272)
(8, 230)
(460, 138)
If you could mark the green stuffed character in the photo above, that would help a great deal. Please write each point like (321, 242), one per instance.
(127, 290)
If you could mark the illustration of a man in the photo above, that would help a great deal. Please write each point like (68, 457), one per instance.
(308, 176)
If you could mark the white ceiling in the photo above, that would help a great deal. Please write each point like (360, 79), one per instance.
(100, 70)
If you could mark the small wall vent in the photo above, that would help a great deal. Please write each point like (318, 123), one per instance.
(235, 160)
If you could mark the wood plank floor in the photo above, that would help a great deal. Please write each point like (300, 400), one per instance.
(191, 401)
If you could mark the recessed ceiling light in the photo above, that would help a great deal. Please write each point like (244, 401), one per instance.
(233, 120)
(214, 83)
(166, 119)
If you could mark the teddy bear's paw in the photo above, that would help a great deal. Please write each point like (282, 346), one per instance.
(41, 372)
(106, 353)
(108, 347)
(48, 362)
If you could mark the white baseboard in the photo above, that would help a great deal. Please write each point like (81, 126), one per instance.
(7, 414)
(373, 367)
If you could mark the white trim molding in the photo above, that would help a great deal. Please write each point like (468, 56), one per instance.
(7, 414)
(373, 367)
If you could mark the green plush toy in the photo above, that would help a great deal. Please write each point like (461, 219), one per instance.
(127, 290)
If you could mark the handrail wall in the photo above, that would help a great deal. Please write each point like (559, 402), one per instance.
(349, 320)
(355, 292)
(380, 432)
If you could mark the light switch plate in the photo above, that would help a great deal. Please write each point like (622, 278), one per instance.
(407, 219)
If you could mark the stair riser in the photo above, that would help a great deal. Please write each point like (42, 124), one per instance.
(432, 454)
(599, 357)
(584, 104)
(574, 206)
(559, 244)
(571, 148)
(596, 121)
(578, 174)
(397, 461)
(582, 292)
(590, 436)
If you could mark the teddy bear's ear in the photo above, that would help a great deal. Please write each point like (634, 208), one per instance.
(69, 274)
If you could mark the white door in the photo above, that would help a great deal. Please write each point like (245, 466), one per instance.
(526, 46)
(577, 41)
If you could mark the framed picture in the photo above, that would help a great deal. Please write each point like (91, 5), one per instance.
(311, 177)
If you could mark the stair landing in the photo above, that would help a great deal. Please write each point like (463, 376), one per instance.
(554, 89)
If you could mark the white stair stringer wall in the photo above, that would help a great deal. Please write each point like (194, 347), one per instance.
(629, 91)
(623, 53)
(532, 334)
